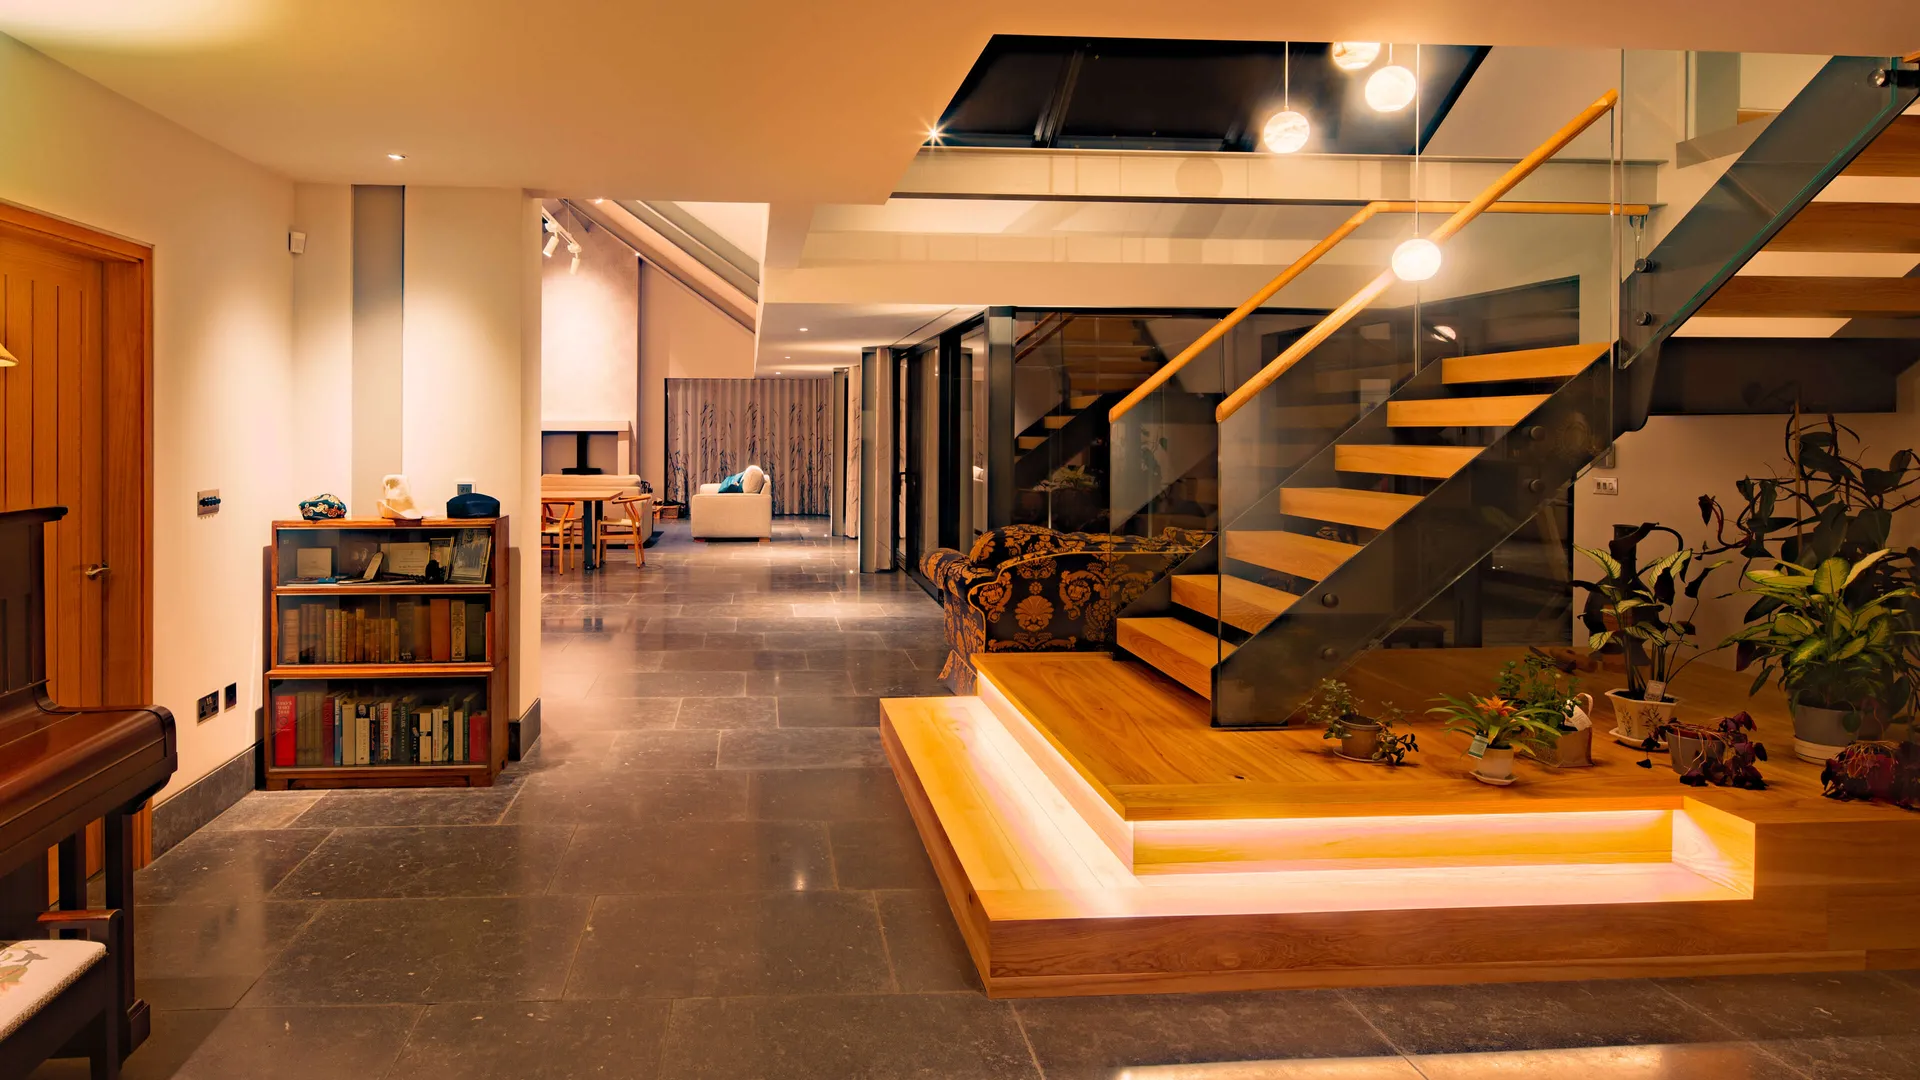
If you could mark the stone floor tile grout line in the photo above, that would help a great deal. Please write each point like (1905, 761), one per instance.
(1733, 1035)
(1020, 1025)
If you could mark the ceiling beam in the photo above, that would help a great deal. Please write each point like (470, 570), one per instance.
(1853, 227)
(1754, 296)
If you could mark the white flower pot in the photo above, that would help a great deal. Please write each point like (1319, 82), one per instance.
(1634, 719)
(1495, 765)
(1819, 734)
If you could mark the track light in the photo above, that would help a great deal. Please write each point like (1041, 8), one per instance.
(553, 241)
(1355, 55)
(573, 249)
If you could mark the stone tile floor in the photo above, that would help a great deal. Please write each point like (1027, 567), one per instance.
(706, 871)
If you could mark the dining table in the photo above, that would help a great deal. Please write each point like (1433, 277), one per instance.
(592, 491)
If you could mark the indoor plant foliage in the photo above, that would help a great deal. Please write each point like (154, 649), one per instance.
(1539, 681)
(1723, 754)
(1502, 724)
(1829, 503)
(1368, 738)
(1640, 612)
(1841, 662)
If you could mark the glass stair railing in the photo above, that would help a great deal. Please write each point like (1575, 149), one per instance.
(1460, 442)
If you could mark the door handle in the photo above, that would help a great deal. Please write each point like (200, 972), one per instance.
(96, 570)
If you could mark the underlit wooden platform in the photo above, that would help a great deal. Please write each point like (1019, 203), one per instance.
(1094, 835)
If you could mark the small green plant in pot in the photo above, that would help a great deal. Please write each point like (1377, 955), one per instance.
(1539, 681)
(1842, 665)
(1497, 726)
(1362, 737)
(1641, 613)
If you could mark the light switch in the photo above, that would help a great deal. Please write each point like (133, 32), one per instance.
(1606, 485)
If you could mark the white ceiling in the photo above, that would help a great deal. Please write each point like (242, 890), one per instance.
(745, 102)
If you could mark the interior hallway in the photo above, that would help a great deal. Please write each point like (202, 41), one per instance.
(705, 870)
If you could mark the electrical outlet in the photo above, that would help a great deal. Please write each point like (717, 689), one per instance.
(209, 706)
(1606, 485)
(233, 694)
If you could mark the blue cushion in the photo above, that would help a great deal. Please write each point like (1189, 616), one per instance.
(731, 485)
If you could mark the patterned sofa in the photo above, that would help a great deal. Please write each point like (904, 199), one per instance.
(1024, 588)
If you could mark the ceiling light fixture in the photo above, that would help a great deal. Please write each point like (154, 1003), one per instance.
(396, 157)
(1419, 258)
(573, 249)
(803, 329)
(1392, 87)
(7, 359)
(1355, 55)
(553, 241)
(933, 134)
(1286, 131)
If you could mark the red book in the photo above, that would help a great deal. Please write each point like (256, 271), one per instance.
(479, 738)
(326, 732)
(283, 730)
(441, 623)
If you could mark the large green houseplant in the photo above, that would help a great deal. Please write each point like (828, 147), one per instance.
(1840, 656)
(1640, 612)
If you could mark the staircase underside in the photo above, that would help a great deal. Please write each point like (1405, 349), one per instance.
(1094, 835)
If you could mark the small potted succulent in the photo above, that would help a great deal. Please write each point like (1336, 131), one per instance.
(1538, 680)
(1498, 726)
(1723, 753)
(1842, 664)
(1361, 737)
(1641, 615)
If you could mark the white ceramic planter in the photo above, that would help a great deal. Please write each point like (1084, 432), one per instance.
(1683, 749)
(1634, 719)
(1819, 734)
(1496, 764)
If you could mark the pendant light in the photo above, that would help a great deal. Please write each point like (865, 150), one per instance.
(1286, 131)
(1355, 55)
(1392, 87)
(1417, 259)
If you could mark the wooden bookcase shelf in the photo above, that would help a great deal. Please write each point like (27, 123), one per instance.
(342, 708)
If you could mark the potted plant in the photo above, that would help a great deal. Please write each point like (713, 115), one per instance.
(1842, 665)
(1497, 726)
(1538, 680)
(1723, 753)
(1361, 737)
(1641, 614)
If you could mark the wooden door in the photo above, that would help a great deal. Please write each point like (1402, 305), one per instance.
(51, 320)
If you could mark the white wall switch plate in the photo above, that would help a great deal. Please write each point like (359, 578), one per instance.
(1606, 485)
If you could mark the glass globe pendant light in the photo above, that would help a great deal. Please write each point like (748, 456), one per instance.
(1286, 131)
(1355, 55)
(1417, 259)
(1392, 87)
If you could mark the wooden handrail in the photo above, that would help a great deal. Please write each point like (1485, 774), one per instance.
(1365, 214)
(1341, 315)
(1040, 334)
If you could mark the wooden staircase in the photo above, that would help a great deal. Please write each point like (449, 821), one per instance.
(1265, 571)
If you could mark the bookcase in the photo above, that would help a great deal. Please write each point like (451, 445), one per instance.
(387, 653)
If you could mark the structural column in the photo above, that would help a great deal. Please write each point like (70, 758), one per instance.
(876, 459)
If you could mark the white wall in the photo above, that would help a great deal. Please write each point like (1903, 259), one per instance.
(323, 339)
(590, 332)
(222, 359)
(471, 406)
(681, 337)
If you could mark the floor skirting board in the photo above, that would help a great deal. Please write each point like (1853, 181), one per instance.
(203, 800)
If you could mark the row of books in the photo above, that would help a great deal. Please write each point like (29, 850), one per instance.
(327, 727)
(385, 630)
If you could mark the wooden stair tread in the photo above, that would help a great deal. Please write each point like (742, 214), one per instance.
(1895, 153)
(1029, 442)
(1756, 296)
(1181, 652)
(1558, 362)
(1247, 605)
(1433, 462)
(1347, 506)
(1307, 557)
(1082, 401)
(1874, 228)
(1055, 423)
(1502, 411)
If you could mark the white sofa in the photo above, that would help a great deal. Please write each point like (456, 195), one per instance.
(747, 515)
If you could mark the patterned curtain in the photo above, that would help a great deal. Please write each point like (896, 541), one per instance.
(717, 427)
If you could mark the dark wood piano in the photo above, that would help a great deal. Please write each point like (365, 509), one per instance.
(61, 769)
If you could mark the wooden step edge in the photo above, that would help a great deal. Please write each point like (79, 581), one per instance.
(1248, 605)
(1502, 411)
(1430, 462)
(1346, 506)
(1055, 423)
(1557, 362)
(1307, 557)
(1180, 652)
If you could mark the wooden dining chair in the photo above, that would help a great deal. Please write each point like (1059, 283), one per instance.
(629, 524)
(559, 525)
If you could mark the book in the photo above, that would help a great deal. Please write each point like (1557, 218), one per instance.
(329, 732)
(441, 632)
(290, 633)
(479, 738)
(457, 631)
(284, 738)
(477, 631)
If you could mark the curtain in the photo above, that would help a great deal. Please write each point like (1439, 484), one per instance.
(718, 427)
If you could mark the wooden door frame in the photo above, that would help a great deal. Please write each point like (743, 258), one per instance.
(126, 503)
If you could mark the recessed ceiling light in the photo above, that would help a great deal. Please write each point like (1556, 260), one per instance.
(396, 157)
(803, 329)
(597, 202)
(933, 134)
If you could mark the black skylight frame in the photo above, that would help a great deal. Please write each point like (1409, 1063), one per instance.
(1209, 96)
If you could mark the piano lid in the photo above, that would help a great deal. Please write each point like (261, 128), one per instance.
(23, 586)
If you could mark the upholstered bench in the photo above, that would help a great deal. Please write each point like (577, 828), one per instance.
(53, 990)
